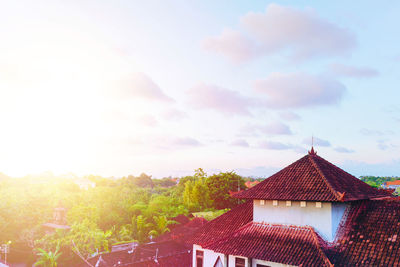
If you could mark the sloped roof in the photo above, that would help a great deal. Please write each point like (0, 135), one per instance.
(223, 225)
(370, 236)
(312, 178)
(183, 232)
(161, 254)
(293, 245)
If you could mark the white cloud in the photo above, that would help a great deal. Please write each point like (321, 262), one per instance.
(231, 44)
(240, 142)
(184, 141)
(277, 128)
(289, 116)
(317, 142)
(343, 150)
(271, 145)
(295, 90)
(142, 86)
(148, 120)
(174, 115)
(300, 34)
(207, 96)
(351, 71)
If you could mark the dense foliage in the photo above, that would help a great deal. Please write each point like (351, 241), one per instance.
(106, 212)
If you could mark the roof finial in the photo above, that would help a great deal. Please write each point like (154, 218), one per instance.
(312, 152)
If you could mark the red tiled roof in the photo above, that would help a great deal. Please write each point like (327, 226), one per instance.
(196, 222)
(312, 178)
(249, 184)
(294, 245)
(370, 236)
(161, 254)
(183, 232)
(223, 225)
(396, 182)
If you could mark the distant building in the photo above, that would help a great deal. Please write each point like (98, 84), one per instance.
(85, 184)
(249, 184)
(59, 220)
(311, 213)
(391, 184)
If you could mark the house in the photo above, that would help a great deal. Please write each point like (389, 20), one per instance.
(59, 220)
(249, 184)
(166, 253)
(310, 213)
(169, 249)
(391, 184)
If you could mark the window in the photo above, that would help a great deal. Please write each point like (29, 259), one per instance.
(199, 258)
(240, 262)
(218, 262)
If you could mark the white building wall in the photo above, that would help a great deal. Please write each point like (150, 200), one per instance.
(210, 257)
(324, 220)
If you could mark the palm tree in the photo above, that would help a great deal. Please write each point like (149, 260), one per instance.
(48, 259)
(161, 225)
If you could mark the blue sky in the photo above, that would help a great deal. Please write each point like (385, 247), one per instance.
(124, 87)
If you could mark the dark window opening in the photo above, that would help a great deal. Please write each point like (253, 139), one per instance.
(239, 262)
(199, 258)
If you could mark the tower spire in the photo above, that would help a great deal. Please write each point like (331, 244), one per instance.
(312, 152)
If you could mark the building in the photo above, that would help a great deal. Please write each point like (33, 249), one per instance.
(169, 249)
(310, 213)
(391, 184)
(249, 184)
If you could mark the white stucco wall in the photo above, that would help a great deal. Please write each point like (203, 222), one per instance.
(324, 220)
(210, 257)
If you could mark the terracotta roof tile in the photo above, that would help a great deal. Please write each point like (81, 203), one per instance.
(396, 182)
(312, 178)
(294, 245)
(370, 236)
(223, 225)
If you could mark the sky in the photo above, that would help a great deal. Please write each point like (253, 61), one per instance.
(165, 87)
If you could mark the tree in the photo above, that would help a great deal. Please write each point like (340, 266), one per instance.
(143, 180)
(48, 259)
(219, 186)
(160, 225)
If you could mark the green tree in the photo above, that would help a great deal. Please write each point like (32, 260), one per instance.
(143, 180)
(219, 186)
(160, 225)
(48, 259)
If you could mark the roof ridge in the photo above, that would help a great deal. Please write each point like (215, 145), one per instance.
(315, 235)
(339, 196)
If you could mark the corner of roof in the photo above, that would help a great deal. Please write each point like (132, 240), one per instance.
(316, 237)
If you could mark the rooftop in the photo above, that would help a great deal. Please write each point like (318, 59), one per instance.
(271, 242)
(312, 178)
